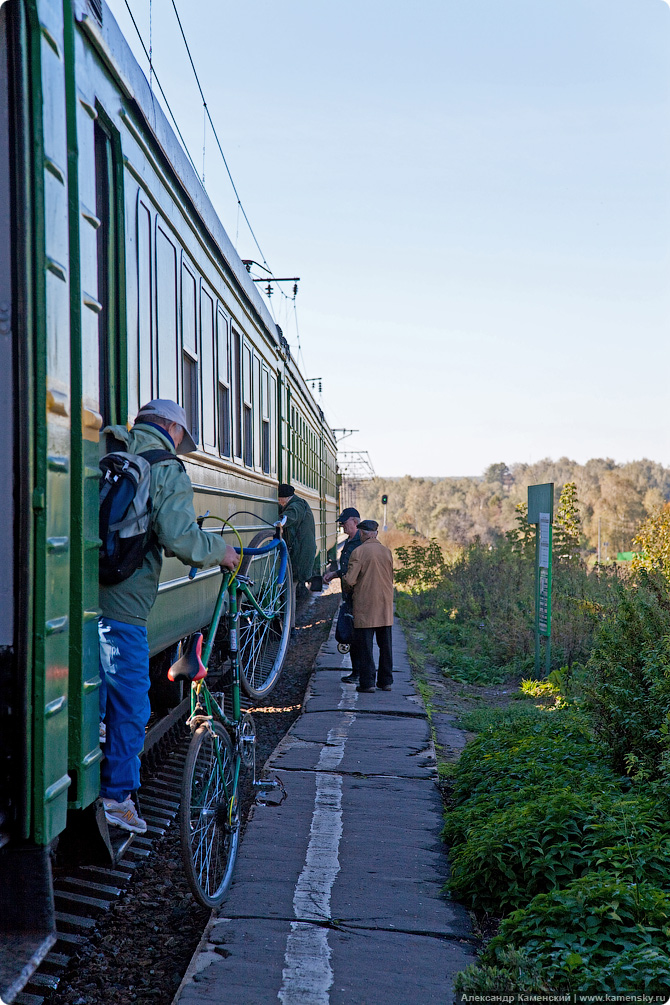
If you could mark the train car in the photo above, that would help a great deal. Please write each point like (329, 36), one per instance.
(118, 284)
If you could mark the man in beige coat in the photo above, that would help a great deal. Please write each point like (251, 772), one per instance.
(370, 577)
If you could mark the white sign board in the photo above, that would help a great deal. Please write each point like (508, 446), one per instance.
(544, 541)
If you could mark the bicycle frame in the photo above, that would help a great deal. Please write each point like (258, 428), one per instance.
(232, 586)
(209, 797)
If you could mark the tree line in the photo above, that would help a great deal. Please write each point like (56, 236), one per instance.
(458, 511)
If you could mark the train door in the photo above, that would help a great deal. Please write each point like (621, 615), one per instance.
(99, 386)
(8, 699)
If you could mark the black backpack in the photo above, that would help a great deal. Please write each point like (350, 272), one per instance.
(125, 511)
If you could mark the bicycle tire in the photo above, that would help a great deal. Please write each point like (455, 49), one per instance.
(210, 832)
(263, 644)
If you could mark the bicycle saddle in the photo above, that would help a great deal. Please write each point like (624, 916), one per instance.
(189, 666)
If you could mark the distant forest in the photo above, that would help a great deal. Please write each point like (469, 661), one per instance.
(458, 510)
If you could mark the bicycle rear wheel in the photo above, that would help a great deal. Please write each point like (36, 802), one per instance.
(263, 642)
(208, 815)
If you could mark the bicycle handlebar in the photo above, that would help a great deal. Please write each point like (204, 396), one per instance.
(275, 543)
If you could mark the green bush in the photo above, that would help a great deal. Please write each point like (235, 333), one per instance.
(513, 969)
(504, 857)
(598, 933)
(556, 749)
(628, 695)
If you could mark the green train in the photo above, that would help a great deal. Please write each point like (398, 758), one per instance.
(118, 284)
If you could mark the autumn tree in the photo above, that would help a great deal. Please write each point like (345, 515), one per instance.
(568, 526)
(653, 543)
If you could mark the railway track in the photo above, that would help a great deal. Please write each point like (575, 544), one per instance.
(85, 894)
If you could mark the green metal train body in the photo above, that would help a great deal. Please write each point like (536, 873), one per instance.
(117, 284)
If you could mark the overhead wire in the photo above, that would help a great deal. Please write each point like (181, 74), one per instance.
(216, 135)
(160, 88)
(208, 117)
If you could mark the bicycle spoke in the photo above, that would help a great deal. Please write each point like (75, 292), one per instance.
(209, 845)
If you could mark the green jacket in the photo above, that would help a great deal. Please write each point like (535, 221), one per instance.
(300, 537)
(174, 529)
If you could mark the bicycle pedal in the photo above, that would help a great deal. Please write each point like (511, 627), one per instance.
(268, 783)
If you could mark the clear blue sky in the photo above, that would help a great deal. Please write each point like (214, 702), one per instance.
(475, 196)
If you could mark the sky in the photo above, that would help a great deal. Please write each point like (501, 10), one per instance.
(475, 197)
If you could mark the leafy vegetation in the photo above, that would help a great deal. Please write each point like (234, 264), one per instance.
(559, 821)
(477, 610)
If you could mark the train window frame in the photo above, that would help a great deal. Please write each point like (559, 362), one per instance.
(265, 419)
(247, 405)
(208, 371)
(146, 349)
(224, 364)
(236, 378)
(166, 371)
(273, 424)
(189, 353)
(256, 407)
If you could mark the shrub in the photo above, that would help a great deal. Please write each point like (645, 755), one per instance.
(598, 933)
(628, 695)
(554, 749)
(509, 855)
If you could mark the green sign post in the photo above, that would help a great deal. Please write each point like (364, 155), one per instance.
(541, 513)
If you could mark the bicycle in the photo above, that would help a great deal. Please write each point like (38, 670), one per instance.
(259, 619)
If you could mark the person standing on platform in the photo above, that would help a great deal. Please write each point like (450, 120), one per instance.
(300, 537)
(348, 520)
(370, 577)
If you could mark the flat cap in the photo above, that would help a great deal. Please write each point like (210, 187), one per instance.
(368, 525)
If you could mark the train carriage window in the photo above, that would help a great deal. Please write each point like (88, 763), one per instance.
(273, 424)
(257, 411)
(104, 189)
(224, 384)
(237, 390)
(208, 369)
(146, 350)
(247, 392)
(265, 422)
(166, 314)
(189, 323)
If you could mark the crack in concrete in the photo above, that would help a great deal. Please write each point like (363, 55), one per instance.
(370, 711)
(341, 925)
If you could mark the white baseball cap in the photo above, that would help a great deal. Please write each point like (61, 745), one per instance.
(167, 409)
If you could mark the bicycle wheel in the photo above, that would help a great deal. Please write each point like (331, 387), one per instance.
(209, 821)
(263, 642)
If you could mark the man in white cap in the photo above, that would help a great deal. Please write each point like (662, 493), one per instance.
(124, 652)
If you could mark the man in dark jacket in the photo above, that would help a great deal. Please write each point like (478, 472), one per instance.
(124, 649)
(300, 537)
(348, 520)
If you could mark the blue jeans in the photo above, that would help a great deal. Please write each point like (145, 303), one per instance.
(124, 704)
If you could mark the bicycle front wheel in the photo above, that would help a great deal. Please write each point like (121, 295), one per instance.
(209, 814)
(263, 639)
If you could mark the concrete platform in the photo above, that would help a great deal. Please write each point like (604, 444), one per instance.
(337, 897)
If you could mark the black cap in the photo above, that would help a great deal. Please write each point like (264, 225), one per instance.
(368, 525)
(284, 491)
(348, 512)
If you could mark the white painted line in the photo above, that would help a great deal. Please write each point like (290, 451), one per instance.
(308, 975)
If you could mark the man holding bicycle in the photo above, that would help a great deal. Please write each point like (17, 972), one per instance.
(125, 606)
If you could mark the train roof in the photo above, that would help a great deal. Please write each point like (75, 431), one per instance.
(117, 54)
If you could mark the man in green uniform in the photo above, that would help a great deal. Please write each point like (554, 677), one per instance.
(300, 536)
(124, 649)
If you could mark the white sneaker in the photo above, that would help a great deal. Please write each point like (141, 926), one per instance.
(124, 815)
